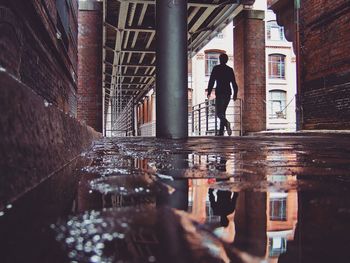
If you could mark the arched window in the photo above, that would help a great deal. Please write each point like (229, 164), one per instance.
(274, 31)
(277, 66)
(277, 104)
(211, 60)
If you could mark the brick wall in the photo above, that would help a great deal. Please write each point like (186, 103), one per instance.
(38, 69)
(249, 61)
(325, 65)
(31, 50)
(90, 65)
(36, 139)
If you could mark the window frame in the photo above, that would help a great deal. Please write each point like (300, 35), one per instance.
(278, 209)
(214, 52)
(273, 24)
(280, 66)
(282, 113)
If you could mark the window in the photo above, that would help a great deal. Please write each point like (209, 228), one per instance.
(63, 21)
(189, 73)
(277, 104)
(277, 66)
(190, 94)
(274, 31)
(277, 246)
(278, 209)
(211, 60)
(190, 81)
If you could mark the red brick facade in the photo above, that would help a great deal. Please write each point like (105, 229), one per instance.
(38, 83)
(324, 92)
(325, 64)
(249, 63)
(36, 51)
(90, 65)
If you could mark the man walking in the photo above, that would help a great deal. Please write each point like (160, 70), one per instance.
(224, 76)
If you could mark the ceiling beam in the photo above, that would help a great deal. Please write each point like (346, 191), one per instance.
(190, 3)
(130, 29)
(134, 76)
(137, 65)
(131, 50)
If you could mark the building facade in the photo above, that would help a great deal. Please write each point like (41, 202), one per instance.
(280, 72)
(280, 68)
(280, 77)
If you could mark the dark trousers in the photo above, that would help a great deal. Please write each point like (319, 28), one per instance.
(221, 106)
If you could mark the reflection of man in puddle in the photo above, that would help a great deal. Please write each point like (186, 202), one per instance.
(223, 203)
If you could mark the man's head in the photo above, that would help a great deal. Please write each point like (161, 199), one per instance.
(223, 58)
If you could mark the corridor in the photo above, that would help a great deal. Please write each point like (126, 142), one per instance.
(208, 199)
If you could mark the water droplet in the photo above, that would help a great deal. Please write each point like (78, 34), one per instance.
(69, 240)
(79, 247)
(72, 254)
(100, 246)
(107, 236)
(96, 238)
(151, 259)
(9, 206)
(1, 213)
(95, 259)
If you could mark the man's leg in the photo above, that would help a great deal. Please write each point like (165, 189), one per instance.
(227, 123)
(220, 113)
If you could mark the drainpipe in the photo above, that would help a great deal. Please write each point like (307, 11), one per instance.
(299, 108)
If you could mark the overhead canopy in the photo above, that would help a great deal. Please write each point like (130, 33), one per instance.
(129, 41)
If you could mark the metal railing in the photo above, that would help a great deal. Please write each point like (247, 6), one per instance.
(120, 124)
(202, 119)
(148, 129)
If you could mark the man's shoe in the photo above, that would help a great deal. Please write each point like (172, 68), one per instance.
(220, 133)
(228, 128)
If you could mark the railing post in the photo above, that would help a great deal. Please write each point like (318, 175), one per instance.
(206, 117)
(216, 119)
(241, 113)
(199, 120)
(192, 113)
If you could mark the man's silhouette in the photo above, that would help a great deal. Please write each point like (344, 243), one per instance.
(224, 76)
(223, 205)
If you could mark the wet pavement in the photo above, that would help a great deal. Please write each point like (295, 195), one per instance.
(244, 199)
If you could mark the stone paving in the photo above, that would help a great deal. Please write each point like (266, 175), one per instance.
(217, 199)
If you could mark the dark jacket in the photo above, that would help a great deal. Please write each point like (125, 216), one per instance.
(223, 75)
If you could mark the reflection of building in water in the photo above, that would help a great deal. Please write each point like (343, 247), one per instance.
(262, 223)
(281, 215)
(199, 202)
(201, 208)
(229, 164)
(282, 211)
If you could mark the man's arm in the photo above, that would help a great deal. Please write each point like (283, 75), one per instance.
(211, 81)
(234, 86)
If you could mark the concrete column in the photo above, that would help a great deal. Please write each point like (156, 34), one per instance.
(249, 66)
(90, 63)
(171, 79)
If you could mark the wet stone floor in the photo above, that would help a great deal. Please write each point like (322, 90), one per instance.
(244, 199)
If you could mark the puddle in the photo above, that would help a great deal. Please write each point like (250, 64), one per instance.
(142, 235)
(129, 185)
(200, 200)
